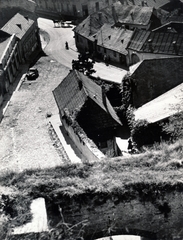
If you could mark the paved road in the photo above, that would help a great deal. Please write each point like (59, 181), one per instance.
(56, 46)
(56, 50)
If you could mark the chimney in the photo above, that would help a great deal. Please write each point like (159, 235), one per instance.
(115, 17)
(124, 26)
(150, 45)
(100, 16)
(175, 46)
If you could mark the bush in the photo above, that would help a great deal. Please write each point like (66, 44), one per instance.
(174, 127)
(144, 133)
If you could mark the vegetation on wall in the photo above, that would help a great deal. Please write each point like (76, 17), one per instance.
(174, 126)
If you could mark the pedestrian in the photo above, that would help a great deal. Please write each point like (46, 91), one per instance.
(130, 145)
(66, 45)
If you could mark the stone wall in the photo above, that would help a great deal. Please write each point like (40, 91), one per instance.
(157, 217)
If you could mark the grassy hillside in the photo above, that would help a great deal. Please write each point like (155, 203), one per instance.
(157, 169)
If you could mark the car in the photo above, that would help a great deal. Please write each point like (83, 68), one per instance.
(32, 74)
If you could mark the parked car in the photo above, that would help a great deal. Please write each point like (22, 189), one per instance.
(32, 74)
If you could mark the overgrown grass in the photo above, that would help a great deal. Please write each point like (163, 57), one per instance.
(154, 165)
(158, 168)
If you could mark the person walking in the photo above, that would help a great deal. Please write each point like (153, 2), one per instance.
(66, 45)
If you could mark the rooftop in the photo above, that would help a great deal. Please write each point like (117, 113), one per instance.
(133, 14)
(148, 3)
(124, 15)
(114, 38)
(157, 42)
(74, 91)
(162, 107)
(18, 25)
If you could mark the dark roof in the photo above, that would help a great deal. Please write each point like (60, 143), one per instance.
(90, 26)
(162, 107)
(114, 38)
(93, 23)
(133, 14)
(176, 27)
(148, 3)
(18, 25)
(157, 42)
(75, 89)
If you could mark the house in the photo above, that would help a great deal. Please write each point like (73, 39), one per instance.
(163, 4)
(108, 31)
(26, 30)
(133, 17)
(112, 43)
(73, 9)
(9, 8)
(9, 61)
(153, 45)
(153, 77)
(87, 116)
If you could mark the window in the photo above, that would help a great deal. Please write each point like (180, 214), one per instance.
(114, 54)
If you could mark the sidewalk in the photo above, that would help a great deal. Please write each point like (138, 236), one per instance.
(56, 124)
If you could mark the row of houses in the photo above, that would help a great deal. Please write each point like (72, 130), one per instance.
(19, 40)
(127, 34)
(72, 9)
(83, 8)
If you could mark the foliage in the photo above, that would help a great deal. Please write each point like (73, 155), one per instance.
(159, 168)
(83, 64)
(174, 127)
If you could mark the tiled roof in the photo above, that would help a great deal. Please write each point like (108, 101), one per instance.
(162, 107)
(176, 27)
(114, 38)
(74, 90)
(91, 25)
(18, 25)
(4, 39)
(133, 14)
(148, 3)
(157, 42)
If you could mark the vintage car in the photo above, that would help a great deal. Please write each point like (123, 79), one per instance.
(32, 74)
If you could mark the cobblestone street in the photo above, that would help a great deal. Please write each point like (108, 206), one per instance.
(25, 139)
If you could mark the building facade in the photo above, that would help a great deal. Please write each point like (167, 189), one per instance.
(73, 8)
(9, 62)
(26, 30)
